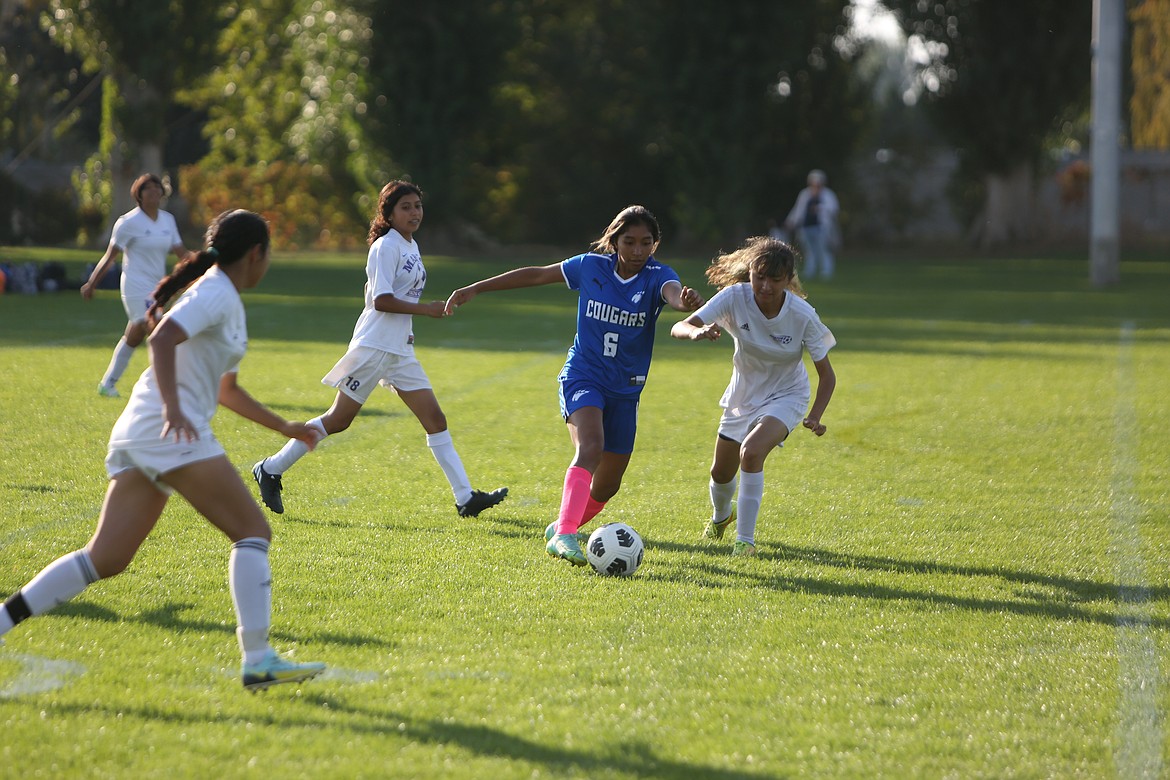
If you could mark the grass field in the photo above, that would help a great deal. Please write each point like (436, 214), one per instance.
(968, 576)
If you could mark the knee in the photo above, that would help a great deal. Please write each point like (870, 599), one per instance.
(588, 455)
(721, 474)
(605, 490)
(434, 423)
(751, 458)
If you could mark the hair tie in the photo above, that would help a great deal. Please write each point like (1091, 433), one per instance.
(213, 251)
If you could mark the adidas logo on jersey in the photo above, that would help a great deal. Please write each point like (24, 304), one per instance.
(746, 327)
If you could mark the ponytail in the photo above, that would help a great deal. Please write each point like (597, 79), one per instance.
(187, 271)
(230, 236)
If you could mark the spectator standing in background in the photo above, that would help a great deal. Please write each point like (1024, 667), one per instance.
(813, 220)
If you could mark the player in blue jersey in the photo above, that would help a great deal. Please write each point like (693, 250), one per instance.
(622, 290)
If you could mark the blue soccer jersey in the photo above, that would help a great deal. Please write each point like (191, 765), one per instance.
(615, 321)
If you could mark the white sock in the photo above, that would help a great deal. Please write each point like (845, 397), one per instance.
(122, 354)
(58, 582)
(751, 495)
(250, 581)
(721, 495)
(448, 458)
(291, 452)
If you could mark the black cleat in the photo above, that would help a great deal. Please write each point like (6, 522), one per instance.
(480, 501)
(270, 488)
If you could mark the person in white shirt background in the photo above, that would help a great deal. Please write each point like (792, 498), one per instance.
(813, 220)
(163, 442)
(761, 305)
(381, 351)
(146, 235)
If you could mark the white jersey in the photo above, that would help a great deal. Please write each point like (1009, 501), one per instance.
(767, 362)
(393, 266)
(145, 243)
(211, 313)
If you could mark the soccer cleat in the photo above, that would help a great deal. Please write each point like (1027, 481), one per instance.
(743, 550)
(551, 530)
(480, 501)
(274, 670)
(715, 530)
(566, 546)
(108, 391)
(270, 488)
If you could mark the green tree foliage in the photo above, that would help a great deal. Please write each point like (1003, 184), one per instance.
(1006, 75)
(291, 89)
(1150, 104)
(541, 118)
(146, 50)
(434, 69)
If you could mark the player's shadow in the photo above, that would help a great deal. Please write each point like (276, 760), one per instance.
(627, 757)
(170, 617)
(1037, 594)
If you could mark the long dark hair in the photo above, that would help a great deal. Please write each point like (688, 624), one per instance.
(387, 200)
(625, 219)
(229, 237)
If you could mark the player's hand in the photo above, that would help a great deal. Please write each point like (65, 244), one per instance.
(710, 332)
(815, 426)
(176, 424)
(308, 434)
(691, 299)
(458, 298)
(436, 309)
(87, 291)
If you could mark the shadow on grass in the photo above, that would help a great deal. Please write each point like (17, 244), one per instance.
(170, 618)
(626, 756)
(717, 574)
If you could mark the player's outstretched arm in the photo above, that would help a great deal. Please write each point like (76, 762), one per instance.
(530, 276)
(693, 329)
(681, 298)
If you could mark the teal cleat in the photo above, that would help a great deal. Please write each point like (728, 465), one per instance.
(566, 546)
(274, 670)
(714, 531)
(743, 550)
(551, 531)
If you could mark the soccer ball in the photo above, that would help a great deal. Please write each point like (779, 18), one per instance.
(615, 549)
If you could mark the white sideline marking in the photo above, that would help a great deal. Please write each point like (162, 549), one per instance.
(1138, 750)
(39, 675)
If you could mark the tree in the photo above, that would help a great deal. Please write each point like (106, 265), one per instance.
(1150, 105)
(541, 118)
(1005, 78)
(146, 50)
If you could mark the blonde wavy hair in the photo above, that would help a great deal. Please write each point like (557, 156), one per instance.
(766, 256)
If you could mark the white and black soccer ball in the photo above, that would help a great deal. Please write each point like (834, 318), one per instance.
(614, 549)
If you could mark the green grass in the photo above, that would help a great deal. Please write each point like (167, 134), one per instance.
(966, 577)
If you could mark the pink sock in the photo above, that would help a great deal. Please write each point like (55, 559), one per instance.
(573, 499)
(593, 508)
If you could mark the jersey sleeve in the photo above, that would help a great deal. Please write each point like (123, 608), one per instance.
(717, 309)
(666, 276)
(385, 261)
(818, 339)
(120, 235)
(176, 239)
(571, 269)
(197, 310)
